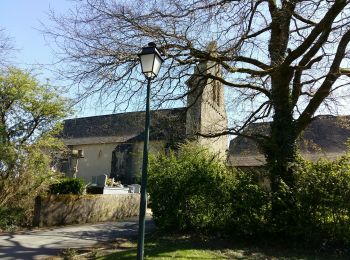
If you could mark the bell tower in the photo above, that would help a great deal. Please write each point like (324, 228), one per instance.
(206, 113)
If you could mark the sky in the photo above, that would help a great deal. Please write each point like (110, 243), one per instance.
(21, 21)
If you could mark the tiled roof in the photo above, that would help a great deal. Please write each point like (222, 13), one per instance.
(325, 137)
(165, 124)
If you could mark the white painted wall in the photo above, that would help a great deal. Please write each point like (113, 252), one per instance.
(96, 161)
(97, 158)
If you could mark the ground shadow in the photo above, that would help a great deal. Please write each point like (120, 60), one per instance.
(49, 242)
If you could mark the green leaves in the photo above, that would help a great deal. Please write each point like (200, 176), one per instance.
(185, 187)
(323, 197)
(68, 186)
(30, 115)
(191, 189)
(27, 108)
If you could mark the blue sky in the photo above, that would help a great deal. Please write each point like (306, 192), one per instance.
(21, 20)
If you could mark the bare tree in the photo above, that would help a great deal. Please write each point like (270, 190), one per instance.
(284, 59)
(6, 48)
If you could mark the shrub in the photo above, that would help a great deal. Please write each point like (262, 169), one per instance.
(30, 177)
(11, 218)
(323, 201)
(68, 186)
(190, 190)
(94, 190)
(193, 190)
(250, 205)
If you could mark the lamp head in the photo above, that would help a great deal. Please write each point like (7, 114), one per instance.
(151, 60)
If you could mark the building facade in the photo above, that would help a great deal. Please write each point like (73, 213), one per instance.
(113, 144)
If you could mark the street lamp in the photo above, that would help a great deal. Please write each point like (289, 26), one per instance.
(150, 64)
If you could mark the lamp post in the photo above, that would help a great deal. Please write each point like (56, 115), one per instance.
(150, 64)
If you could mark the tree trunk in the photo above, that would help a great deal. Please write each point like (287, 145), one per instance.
(280, 150)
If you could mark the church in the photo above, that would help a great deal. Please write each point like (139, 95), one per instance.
(113, 144)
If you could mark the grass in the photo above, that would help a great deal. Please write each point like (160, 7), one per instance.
(166, 248)
(188, 247)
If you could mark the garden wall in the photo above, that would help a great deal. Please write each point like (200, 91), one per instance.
(76, 209)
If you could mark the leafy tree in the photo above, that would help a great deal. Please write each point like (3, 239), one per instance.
(29, 117)
(285, 59)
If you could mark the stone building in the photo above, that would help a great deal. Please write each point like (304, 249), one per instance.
(326, 137)
(206, 113)
(113, 144)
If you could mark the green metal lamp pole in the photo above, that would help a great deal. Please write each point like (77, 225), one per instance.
(143, 200)
(150, 62)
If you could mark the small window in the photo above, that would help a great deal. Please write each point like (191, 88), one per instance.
(216, 93)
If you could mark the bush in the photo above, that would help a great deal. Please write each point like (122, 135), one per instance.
(68, 186)
(323, 201)
(94, 190)
(250, 205)
(11, 218)
(19, 187)
(193, 190)
(190, 190)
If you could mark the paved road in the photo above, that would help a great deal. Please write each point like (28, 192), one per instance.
(39, 244)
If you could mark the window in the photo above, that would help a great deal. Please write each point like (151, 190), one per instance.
(216, 93)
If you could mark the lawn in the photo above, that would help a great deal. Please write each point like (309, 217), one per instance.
(187, 247)
(166, 248)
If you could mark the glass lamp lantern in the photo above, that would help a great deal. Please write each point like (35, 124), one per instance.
(150, 60)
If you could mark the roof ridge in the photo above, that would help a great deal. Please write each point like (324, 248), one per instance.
(124, 113)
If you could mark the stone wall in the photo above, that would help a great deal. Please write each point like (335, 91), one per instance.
(206, 106)
(74, 209)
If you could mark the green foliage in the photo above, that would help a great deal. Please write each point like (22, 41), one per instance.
(11, 218)
(30, 110)
(323, 201)
(94, 190)
(68, 186)
(189, 190)
(193, 190)
(31, 113)
(251, 205)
